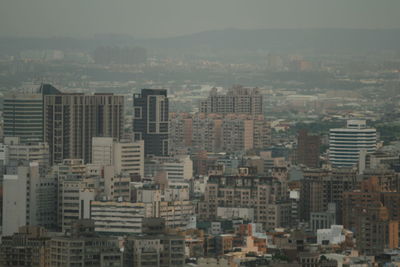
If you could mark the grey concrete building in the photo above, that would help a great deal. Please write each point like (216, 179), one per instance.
(238, 99)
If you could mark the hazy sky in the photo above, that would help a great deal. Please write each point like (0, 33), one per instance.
(159, 18)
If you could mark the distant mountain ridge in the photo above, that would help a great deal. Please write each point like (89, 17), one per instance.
(275, 40)
(288, 39)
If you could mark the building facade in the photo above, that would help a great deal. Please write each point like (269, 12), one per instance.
(238, 99)
(119, 218)
(127, 157)
(23, 116)
(346, 144)
(150, 122)
(29, 198)
(23, 113)
(308, 147)
(72, 120)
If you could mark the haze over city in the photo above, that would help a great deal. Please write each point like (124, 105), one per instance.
(154, 18)
(200, 133)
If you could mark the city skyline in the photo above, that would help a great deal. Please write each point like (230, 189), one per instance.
(192, 133)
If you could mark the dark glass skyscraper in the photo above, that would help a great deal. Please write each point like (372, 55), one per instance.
(150, 122)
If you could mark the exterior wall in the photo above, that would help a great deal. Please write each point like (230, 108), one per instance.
(308, 147)
(14, 202)
(23, 116)
(73, 202)
(118, 217)
(180, 169)
(129, 158)
(102, 150)
(38, 152)
(176, 213)
(28, 247)
(237, 100)
(219, 132)
(83, 251)
(234, 213)
(72, 120)
(150, 121)
(126, 157)
(28, 199)
(346, 144)
(322, 220)
(157, 250)
(242, 191)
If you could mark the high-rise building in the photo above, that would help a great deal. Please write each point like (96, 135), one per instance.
(150, 122)
(23, 116)
(72, 120)
(219, 132)
(308, 147)
(346, 144)
(238, 99)
(23, 113)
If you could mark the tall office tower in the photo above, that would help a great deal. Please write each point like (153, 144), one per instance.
(150, 121)
(346, 144)
(72, 120)
(23, 114)
(308, 147)
(238, 99)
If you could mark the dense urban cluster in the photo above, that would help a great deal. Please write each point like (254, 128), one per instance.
(270, 147)
(103, 179)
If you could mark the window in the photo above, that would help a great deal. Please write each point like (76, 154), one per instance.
(137, 113)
